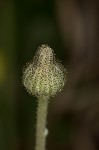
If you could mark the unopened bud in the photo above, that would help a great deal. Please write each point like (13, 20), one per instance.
(44, 76)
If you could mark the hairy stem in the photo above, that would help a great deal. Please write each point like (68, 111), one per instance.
(41, 123)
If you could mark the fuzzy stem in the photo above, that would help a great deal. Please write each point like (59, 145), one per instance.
(41, 123)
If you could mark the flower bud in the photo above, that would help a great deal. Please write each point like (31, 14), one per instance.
(44, 76)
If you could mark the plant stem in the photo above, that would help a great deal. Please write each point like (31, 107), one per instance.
(41, 122)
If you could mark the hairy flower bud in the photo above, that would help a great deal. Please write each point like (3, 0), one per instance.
(45, 75)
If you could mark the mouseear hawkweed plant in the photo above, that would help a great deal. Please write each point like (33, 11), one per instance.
(43, 77)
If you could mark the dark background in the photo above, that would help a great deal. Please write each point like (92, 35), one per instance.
(71, 28)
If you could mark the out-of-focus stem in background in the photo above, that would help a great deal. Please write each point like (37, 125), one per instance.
(7, 94)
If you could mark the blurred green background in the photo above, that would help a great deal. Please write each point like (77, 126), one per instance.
(70, 27)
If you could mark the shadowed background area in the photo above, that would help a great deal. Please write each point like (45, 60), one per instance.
(71, 28)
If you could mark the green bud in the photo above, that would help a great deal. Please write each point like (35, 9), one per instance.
(45, 75)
